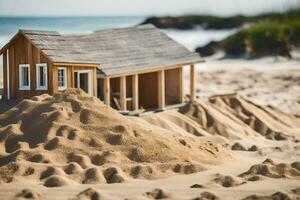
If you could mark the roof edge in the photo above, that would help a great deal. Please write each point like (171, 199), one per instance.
(156, 68)
(77, 64)
(7, 45)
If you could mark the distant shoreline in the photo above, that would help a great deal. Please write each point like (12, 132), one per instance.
(257, 36)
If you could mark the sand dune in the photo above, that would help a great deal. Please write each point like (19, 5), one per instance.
(233, 118)
(71, 140)
(273, 170)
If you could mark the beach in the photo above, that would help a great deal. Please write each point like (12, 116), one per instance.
(240, 138)
(242, 142)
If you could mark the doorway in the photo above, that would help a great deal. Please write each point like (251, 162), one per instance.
(84, 81)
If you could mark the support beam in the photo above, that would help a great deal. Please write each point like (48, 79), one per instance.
(8, 74)
(161, 89)
(4, 74)
(192, 83)
(135, 92)
(12, 80)
(95, 86)
(123, 102)
(71, 74)
(181, 84)
(106, 89)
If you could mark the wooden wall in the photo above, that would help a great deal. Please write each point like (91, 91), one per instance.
(23, 52)
(172, 86)
(148, 87)
(129, 86)
(114, 88)
(70, 76)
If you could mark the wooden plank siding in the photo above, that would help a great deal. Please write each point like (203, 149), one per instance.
(22, 51)
(12, 72)
(70, 75)
(173, 86)
(148, 90)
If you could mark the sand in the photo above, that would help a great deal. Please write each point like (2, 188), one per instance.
(227, 146)
(266, 81)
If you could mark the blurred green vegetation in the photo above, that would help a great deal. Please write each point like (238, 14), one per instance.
(217, 22)
(276, 35)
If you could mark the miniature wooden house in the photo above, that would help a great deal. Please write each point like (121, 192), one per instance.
(127, 68)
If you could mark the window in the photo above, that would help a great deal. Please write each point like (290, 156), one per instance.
(41, 77)
(24, 77)
(62, 78)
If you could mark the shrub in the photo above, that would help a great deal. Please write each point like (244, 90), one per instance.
(264, 38)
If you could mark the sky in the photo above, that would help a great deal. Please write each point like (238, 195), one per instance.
(139, 7)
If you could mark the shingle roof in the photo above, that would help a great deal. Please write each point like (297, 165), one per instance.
(117, 51)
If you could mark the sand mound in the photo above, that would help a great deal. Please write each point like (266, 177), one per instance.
(142, 171)
(56, 181)
(227, 181)
(72, 136)
(72, 168)
(296, 191)
(272, 170)
(234, 117)
(296, 165)
(28, 194)
(275, 196)
(238, 147)
(207, 196)
(51, 171)
(113, 175)
(157, 194)
(254, 178)
(197, 186)
(253, 148)
(92, 175)
(88, 194)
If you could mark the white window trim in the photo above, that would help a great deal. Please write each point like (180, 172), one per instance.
(22, 87)
(65, 78)
(38, 87)
(90, 81)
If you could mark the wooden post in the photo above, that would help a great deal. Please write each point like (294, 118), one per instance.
(192, 83)
(70, 72)
(95, 82)
(13, 73)
(106, 89)
(32, 66)
(4, 74)
(53, 78)
(38, 57)
(181, 84)
(135, 91)
(123, 102)
(161, 89)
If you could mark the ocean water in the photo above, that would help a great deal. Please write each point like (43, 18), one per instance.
(73, 25)
(9, 26)
(68, 25)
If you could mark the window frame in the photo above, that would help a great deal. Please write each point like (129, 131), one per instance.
(21, 86)
(65, 78)
(38, 86)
